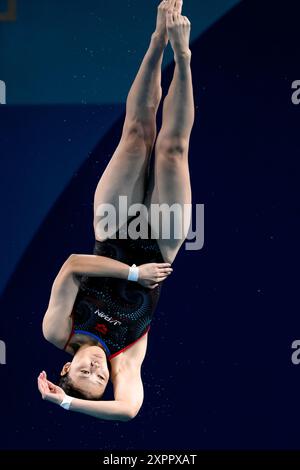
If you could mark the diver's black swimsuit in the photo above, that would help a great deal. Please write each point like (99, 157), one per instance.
(117, 312)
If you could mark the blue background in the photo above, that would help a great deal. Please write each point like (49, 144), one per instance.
(218, 373)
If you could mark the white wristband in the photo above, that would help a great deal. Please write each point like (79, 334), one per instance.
(66, 402)
(133, 273)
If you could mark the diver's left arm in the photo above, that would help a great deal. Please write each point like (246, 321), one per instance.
(128, 392)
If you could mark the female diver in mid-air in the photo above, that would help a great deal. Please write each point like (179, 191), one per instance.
(101, 305)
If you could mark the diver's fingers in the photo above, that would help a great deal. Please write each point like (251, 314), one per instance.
(160, 278)
(41, 387)
(166, 270)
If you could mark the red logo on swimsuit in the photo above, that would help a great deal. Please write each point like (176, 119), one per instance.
(101, 328)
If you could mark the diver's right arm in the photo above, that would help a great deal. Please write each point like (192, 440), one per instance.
(150, 274)
(57, 323)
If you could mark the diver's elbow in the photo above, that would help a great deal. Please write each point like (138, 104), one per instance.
(129, 415)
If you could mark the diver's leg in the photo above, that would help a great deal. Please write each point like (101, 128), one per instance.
(125, 173)
(171, 173)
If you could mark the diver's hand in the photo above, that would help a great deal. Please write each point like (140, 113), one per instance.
(151, 274)
(50, 391)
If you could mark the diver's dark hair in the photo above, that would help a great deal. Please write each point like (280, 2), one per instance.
(70, 389)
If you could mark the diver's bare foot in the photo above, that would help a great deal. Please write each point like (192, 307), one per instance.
(161, 23)
(179, 31)
(178, 6)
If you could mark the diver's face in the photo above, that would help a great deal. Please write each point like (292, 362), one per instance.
(88, 370)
